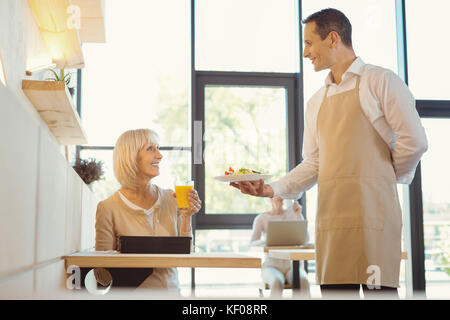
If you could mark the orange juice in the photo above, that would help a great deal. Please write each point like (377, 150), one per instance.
(182, 196)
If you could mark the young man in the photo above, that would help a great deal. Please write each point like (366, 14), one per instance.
(362, 136)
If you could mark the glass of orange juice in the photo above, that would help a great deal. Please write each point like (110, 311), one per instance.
(182, 190)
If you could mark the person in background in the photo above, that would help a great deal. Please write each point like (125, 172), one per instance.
(277, 272)
(141, 208)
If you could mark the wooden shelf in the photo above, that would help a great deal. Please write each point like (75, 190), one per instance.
(62, 41)
(53, 102)
(92, 28)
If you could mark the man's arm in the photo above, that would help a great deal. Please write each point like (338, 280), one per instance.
(398, 105)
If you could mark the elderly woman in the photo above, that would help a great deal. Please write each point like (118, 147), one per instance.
(141, 208)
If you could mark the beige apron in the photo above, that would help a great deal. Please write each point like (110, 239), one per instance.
(358, 223)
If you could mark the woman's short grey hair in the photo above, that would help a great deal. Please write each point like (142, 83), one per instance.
(125, 154)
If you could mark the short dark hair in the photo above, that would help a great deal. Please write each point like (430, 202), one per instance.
(330, 19)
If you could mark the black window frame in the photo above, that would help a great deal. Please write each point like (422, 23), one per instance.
(439, 109)
(244, 79)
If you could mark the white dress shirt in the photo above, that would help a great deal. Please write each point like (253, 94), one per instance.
(388, 104)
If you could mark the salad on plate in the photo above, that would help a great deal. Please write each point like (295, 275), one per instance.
(243, 174)
(231, 171)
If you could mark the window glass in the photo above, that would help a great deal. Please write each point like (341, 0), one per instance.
(139, 78)
(251, 35)
(428, 46)
(223, 240)
(245, 127)
(207, 281)
(436, 207)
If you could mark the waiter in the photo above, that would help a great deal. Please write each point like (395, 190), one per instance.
(362, 136)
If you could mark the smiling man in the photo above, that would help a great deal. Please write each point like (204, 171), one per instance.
(362, 136)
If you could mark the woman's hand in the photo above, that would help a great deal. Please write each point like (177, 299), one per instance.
(195, 204)
(187, 213)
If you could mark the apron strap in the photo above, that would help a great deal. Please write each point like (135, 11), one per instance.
(358, 79)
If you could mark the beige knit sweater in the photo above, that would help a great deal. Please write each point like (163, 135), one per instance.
(114, 218)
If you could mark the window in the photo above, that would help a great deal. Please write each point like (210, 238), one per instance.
(251, 35)
(248, 122)
(436, 207)
(245, 127)
(426, 26)
(140, 79)
(226, 241)
(427, 80)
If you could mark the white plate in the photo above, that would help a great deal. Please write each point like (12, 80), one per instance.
(243, 177)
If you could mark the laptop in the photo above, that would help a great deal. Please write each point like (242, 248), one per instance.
(286, 232)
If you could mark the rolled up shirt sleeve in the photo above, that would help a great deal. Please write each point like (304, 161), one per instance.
(399, 108)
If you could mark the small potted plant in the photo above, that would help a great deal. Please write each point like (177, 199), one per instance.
(89, 170)
(62, 77)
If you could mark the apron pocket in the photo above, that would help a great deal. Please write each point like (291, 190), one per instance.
(352, 202)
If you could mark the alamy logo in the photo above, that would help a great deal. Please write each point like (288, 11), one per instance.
(90, 282)
(374, 280)
(74, 21)
(74, 280)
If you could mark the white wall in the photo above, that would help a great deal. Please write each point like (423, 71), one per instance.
(46, 210)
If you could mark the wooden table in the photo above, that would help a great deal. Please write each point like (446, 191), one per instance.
(303, 246)
(297, 255)
(193, 260)
(95, 259)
